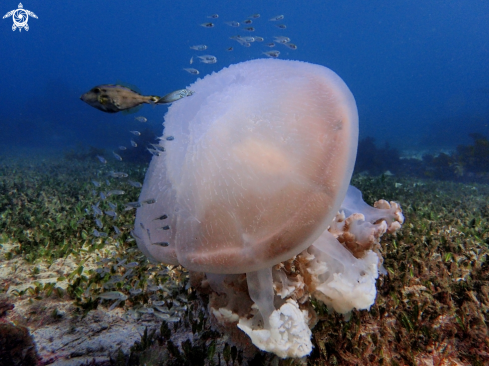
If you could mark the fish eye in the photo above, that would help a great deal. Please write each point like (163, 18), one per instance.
(96, 90)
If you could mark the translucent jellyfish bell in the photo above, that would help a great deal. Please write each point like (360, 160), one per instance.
(260, 162)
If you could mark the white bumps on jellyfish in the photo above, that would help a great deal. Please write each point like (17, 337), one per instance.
(260, 162)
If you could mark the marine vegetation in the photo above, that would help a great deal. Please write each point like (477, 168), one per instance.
(433, 304)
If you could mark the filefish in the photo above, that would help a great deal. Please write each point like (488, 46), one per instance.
(113, 98)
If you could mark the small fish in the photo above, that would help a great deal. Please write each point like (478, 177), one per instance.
(163, 217)
(208, 59)
(254, 16)
(233, 24)
(135, 292)
(291, 46)
(149, 201)
(229, 49)
(112, 98)
(122, 148)
(249, 29)
(117, 156)
(167, 227)
(199, 47)
(176, 95)
(161, 243)
(102, 195)
(135, 133)
(273, 54)
(111, 214)
(95, 183)
(191, 60)
(112, 205)
(117, 230)
(97, 211)
(99, 234)
(141, 119)
(102, 159)
(172, 319)
(99, 224)
(134, 235)
(259, 39)
(113, 295)
(118, 174)
(213, 16)
(282, 40)
(134, 184)
(133, 143)
(153, 152)
(158, 147)
(170, 138)
(271, 44)
(192, 71)
(281, 26)
(107, 182)
(131, 205)
(248, 39)
(115, 192)
(114, 305)
(207, 25)
(247, 21)
(162, 315)
(278, 17)
(131, 265)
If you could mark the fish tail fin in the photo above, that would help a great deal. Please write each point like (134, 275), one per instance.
(154, 99)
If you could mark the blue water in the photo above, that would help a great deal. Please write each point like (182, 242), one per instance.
(418, 69)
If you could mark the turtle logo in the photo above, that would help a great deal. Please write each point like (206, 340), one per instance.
(20, 17)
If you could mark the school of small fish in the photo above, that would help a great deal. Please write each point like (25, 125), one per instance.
(251, 24)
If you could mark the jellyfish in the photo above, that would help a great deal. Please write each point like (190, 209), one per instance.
(255, 175)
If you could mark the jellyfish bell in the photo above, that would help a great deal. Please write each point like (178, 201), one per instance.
(261, 159)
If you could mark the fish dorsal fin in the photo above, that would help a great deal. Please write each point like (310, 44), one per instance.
(132, 87)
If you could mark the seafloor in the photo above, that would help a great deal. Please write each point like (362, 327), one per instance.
(432, 307)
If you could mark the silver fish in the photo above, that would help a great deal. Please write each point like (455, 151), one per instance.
(271, 44)
(254, 16)
(117, 156)
(192, 71)
(112, 205)
(282, 39)
(122, 148)
(163, 217)
(111, 214)
(213, 16)
(102, 159)
(117, 230)
(291, 46)
(199, 47)
(273, 54)
(102, 196)
(208, 59)
(131, 205)
(247, 21)
(153, 152)
(117, 174)
(163, 316)
(135, 133)
(113, 295)
(133, 143)
(134, 184)
(115, 192)
(170, 138)
(233, 24)
(281, 26)
(149, 201)
(158, 147)
(259, 39)
(112, 98)
(207, 25)
(249, 29)
(176, 95)
(99, 223)
(278, 17)
(95, 183)
(97, 211)
(141, 119)
(135, 292)
(161, 243)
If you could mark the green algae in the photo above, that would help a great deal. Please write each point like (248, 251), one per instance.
(432, 304)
